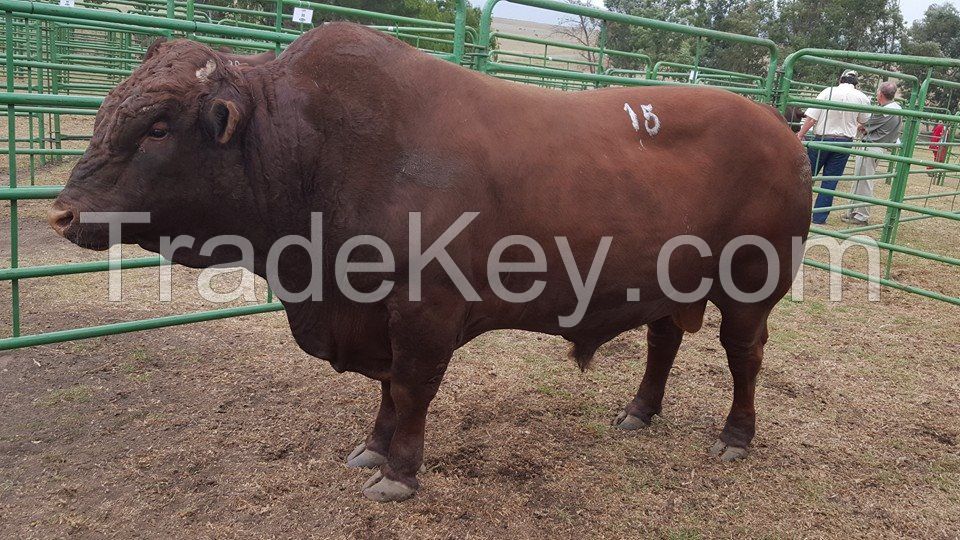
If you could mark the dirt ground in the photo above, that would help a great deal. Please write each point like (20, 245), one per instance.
(227, 430)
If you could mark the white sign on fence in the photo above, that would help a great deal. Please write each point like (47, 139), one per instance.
(68, 3)
(300, 15)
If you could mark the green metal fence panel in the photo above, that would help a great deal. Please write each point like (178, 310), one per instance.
(62, 51)
(904, 163)
(486, 65)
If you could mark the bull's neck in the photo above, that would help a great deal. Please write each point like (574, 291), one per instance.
(306, 147)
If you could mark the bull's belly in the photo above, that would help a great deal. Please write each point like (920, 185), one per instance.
(605, 317)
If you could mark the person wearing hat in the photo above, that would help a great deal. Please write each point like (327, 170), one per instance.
(830, 125)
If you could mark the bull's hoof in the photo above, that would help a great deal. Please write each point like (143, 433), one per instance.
(628, 422)
(363, 458)
(727, 453)
(382, 489)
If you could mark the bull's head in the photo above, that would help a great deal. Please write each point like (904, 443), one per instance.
(166, 141)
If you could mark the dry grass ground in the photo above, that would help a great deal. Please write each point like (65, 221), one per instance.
(226, 429)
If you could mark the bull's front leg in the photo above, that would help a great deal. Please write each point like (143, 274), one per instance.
(373, 451)
(412, 388)
(423, 336)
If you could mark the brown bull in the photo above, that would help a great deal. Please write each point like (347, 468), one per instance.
(382, 140)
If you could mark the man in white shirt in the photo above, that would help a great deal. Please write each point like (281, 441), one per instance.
(880, 128)
(831, 125)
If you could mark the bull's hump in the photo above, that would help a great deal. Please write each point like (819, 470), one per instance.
(345, 41)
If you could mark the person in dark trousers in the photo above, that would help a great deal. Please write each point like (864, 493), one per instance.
(833, 126)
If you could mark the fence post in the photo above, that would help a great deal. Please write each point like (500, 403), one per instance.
(12, 163)
(898, 188)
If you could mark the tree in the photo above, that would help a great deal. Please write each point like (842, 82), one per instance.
(745, 17)
(941, 25)
(431, 10)
(583, 31)
(866, 25)
(937, 34)
(657, 44)
(852, 25)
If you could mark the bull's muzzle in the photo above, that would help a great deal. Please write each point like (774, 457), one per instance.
(60, 218)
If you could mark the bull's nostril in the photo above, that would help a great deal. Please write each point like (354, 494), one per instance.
(65, 220)
(60, 219)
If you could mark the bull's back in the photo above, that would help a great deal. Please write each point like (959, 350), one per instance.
(701, 161)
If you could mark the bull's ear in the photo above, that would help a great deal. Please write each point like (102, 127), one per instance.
(154, 47)
(223, 116)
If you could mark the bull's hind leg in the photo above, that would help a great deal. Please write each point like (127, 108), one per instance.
(743, 333)
(663, 341)
(373, 451)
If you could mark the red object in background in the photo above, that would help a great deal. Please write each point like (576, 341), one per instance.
(939, 152)
(936, 136)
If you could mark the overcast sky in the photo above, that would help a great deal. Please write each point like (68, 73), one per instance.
(912, 10)
(526, 13)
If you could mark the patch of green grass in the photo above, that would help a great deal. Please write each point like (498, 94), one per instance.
(813, 491)
(552, 391)
(683, 534)
(889, 478)
(139, 358)
(598, 428)
(53, 458)
(783, 336)
(948, 465)
(945, 483)
(6, 486)
(128, 367)
(154, 417)
(901, 320)
(74, 394)
(80, 347)
(814, 307)
(945, 476)
(141, 377)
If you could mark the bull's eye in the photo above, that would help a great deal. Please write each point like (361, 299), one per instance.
(158, 131)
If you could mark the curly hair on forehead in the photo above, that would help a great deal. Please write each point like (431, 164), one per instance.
(171, 68)
(178, 59)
